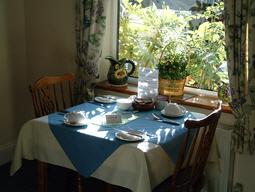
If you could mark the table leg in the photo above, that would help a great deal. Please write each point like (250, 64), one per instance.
(80, 187)
(109, 187)
(42, 179)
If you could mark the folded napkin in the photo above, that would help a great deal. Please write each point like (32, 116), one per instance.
(128, 136)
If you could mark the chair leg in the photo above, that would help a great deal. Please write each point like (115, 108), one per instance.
(42, 176)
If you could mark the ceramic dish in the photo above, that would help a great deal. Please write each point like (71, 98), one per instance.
(75, 117)
(127, 136)
(143, 104)
(183, 111)
(105, 99)
(136, 132)
(82, 123)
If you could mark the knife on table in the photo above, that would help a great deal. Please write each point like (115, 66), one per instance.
(167, 121)
(159, 119)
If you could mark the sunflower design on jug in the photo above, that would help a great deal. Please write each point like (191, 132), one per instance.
(120, 74)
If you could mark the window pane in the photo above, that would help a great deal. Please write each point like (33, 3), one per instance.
(194, 29)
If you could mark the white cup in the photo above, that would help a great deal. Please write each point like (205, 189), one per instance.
(160, 104)
(161, 101)
(124, 103)
(172, 109)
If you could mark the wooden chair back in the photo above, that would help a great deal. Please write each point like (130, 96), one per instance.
(52, 93)
(194, 152)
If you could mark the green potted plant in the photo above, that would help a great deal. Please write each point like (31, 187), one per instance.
(173, 68)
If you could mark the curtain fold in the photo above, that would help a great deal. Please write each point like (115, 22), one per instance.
(90, 29)
(240, 32)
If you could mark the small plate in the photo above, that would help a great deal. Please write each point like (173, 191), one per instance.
(82, 123)
(183, 109)
(136, 132)
(105, 99)
(127, 136)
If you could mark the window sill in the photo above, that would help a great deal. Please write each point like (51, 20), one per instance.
(190, 99)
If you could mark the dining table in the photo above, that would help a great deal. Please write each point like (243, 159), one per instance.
(138, 152)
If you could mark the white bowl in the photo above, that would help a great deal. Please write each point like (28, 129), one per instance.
(172, 109)
(124, 103)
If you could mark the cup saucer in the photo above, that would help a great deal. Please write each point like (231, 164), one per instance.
(183, 111)
(105, 99)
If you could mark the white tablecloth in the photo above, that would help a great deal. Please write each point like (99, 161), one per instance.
(137, 166)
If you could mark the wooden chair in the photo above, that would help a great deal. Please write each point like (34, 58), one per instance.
(188, 174)
(51, 94)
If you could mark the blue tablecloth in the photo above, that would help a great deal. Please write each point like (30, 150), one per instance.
(88, 151)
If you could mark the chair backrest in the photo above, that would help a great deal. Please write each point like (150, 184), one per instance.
(52, 93)
(194, 151)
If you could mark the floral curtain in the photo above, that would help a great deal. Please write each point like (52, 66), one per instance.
(90, 28)
(240, 44)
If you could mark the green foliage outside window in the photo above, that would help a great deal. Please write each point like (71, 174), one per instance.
(145, 32)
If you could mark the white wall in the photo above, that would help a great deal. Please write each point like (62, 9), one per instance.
(37, 38)
(50, 36)
(13, 73)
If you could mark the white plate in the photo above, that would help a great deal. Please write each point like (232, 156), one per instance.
(82, 123)
(105, 99)
(125, 136)
(183, 111)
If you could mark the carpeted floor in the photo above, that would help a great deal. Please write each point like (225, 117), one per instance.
(23, 181)
(59, 180)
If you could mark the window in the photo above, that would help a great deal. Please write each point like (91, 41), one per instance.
(196, 27)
